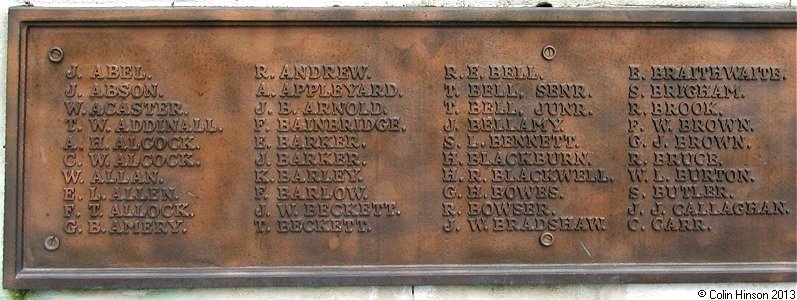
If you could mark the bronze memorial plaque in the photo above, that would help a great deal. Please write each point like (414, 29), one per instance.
(248, 147)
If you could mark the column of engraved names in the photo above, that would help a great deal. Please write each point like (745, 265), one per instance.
(73, 167)
(507, 154)
(133, 135)
(311, 125)
(679, 171)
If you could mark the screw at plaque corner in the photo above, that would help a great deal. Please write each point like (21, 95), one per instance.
(55, 55)
(546, 239)
(548, 52)
(51, 243)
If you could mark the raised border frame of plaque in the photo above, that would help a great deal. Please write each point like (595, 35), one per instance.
(16, 276)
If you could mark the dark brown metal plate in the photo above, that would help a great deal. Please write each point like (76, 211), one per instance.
(205, 147)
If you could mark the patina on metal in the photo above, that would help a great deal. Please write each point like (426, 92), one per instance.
(248, 147)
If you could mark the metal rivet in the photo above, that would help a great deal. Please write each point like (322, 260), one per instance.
(51, 243)
(546, 239)
(548, 52)
(55, 55)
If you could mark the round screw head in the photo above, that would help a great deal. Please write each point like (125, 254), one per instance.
(548, 52)
(546, 239)
(51, 243)
(55, 55)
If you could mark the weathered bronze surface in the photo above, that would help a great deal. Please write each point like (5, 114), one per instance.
(204, 147)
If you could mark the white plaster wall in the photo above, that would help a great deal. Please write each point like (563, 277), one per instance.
(618, 291)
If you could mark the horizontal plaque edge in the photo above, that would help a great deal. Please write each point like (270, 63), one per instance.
(44, 278)
(747, 17)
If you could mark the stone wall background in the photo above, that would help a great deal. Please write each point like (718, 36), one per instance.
(616, 291)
